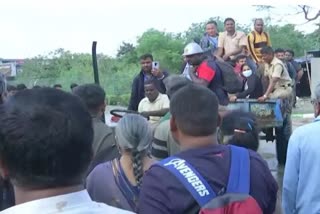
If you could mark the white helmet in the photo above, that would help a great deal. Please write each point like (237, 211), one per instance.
(192, 48)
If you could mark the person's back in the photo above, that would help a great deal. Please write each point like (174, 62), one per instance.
(301, 175)
(94, 98)
(117, 182)
(194, 128)
(46, 147)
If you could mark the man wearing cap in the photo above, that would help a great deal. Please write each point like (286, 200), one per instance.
(204, 72)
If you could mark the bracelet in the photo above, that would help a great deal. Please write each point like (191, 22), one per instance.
(265, 96)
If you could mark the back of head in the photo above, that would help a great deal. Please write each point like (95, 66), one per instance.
(73, 85)
(266, 50)
(46, 139)
(195, 110)
(174, 82)
(279, 50)
(240, 128)
(21, 87)
(92, 95)
(134, 135)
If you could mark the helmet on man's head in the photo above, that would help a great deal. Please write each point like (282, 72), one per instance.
(191, 49)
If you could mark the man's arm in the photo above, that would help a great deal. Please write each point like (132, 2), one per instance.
(133, 104)
(251, 47)
(276, 75)
(158, 113)
(291, 175)
(162, 87)
(197, 80)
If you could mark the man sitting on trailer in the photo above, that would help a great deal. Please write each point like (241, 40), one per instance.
(146, 73)
(155, 105)
(279, 87)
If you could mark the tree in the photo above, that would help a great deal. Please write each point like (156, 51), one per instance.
(166, 48)
(306, 10)
(125, 49)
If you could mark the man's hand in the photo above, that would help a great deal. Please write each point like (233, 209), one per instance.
(232, 98)
(262, 99)
(145, 114)
(157, 73)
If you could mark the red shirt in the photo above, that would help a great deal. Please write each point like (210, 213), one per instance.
(205, 72)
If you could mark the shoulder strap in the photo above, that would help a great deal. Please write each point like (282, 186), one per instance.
(190, 178)
(129, 194)
(266, 35)
(239, 177)
(254, 37)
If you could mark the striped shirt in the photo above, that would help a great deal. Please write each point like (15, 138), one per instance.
(256, 41)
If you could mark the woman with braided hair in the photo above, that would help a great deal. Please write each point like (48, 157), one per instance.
(117, 182)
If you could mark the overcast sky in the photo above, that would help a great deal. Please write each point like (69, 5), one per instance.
(32, 27)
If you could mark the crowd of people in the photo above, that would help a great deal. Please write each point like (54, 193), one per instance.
(180, 152)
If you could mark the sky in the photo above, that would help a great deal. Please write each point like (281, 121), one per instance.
(33, 27)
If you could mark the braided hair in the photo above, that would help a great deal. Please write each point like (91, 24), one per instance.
(134, 134)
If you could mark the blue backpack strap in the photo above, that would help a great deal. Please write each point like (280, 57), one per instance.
(239, 177)
(190, 178)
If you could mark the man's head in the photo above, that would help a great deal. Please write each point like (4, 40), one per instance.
(150, 90)
(241, 59)
(279, 52)
(175, 82)
(21, 87)
(211, 28)
(72, 86)
(3, 88)
(258, 25)
(229, 25)
(57, 86)
(12, 90)
(267, 54)
(193, 54)
(289, 54)
(194, 111)
(93, 97)
(146, 63)
(316, 101)
(45, 139)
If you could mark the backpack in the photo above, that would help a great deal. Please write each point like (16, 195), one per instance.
(232, 82)
(236, 198)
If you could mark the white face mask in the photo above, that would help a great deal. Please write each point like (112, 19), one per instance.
(247, 73)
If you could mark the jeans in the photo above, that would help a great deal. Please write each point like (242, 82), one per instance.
(282, 139)
(252, 65)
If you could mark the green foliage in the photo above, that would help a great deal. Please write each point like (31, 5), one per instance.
(166, 48)
(116, 74)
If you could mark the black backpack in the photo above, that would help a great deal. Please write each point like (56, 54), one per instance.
(232, 83)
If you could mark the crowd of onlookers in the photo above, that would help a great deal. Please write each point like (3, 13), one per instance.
(178, 151)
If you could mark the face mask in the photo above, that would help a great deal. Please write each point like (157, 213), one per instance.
(247, 73)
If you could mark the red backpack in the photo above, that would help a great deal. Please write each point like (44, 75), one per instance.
(236, 199)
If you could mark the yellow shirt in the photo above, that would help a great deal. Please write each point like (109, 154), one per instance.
(161, 102)
(232, 43)
(256, 41)
(276, 69)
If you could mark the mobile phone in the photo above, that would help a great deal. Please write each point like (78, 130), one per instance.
(155, 65)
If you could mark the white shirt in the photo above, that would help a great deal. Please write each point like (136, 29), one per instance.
(162, 102)
(72, 203)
